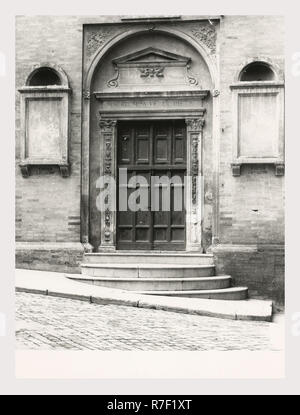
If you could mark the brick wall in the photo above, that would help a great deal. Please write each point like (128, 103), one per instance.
(251, 206)
(47, 205)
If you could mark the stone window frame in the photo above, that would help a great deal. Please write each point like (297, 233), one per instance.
(274, 87)
(29, 93)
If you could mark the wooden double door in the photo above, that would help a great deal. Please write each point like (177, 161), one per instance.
(151, 196)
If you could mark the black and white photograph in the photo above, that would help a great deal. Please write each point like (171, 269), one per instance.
(150, 182)
(150, 213)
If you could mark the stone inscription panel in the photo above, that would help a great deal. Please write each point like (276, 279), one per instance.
(153, 104)
(258, 125)
(43, 128)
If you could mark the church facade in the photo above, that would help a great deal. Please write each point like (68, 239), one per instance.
(104, 100)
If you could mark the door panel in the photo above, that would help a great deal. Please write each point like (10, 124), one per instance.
(125, 147)
(155, 218)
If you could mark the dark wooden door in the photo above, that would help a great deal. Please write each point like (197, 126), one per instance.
(151, 216)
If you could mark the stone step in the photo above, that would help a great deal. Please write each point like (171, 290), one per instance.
(232, 293)
(117, 270)
(149, 257)
(159, 284)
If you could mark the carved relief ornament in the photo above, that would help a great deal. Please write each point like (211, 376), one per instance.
(195, 124)
(107, 223)
(206, 34)
(114, 82)
(107, 127)
(96, 39)
(194, 169)
(152, 71)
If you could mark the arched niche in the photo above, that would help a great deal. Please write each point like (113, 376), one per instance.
(261, 67)
(257, 72)
(44, 109)
(258, 103)
(47, 74)
(44, 77)
(147, 75)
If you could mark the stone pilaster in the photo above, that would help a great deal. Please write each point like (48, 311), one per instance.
(194, 184)
(108, 169)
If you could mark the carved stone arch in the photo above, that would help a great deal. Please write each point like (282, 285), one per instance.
(196, 44)
(56, 68)
(259, 59)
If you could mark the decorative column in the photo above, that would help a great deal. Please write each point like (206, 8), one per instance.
(108, 170)
(194, 184)
(85, 173)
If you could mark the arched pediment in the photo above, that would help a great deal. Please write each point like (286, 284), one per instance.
(153, 65)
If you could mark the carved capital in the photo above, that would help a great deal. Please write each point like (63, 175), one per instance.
(107, 125)
(194, 124)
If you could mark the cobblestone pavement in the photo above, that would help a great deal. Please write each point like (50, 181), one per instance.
(56, 323)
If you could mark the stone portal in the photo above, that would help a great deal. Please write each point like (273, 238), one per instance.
(150, 112)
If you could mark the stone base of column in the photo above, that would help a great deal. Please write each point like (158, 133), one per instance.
(106, 248)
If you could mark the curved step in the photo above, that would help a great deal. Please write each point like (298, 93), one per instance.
(149, 257)
(233, 293)
(147, 270)
(158, 284)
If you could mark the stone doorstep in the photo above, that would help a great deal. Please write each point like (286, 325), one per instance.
(83, 277)
(148, 266)
(36, 282)
(149, 253)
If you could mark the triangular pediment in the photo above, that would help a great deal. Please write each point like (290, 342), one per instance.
(151, 55)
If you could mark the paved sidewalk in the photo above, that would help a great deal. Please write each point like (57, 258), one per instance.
(52, 323)
(58, 285)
